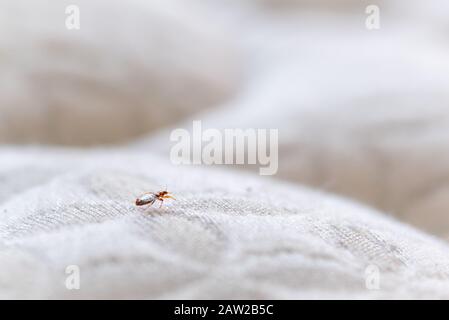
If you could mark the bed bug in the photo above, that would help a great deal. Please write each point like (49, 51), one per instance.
(150, 197)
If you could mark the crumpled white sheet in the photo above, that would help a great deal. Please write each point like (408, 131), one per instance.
(360, 113)
(371, 125)
(228, 235)
(122, 74)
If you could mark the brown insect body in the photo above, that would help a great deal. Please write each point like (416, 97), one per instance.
(150, 197)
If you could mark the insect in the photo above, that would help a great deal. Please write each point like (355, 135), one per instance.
(151, 197)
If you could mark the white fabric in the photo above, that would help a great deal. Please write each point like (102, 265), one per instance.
(360, 113)
(228, 235)
(122, 74)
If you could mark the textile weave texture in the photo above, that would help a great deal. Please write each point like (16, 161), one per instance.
(228, 235)
(85, 120)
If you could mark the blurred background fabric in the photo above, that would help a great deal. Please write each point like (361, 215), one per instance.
(126, 71)
(363, 119)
